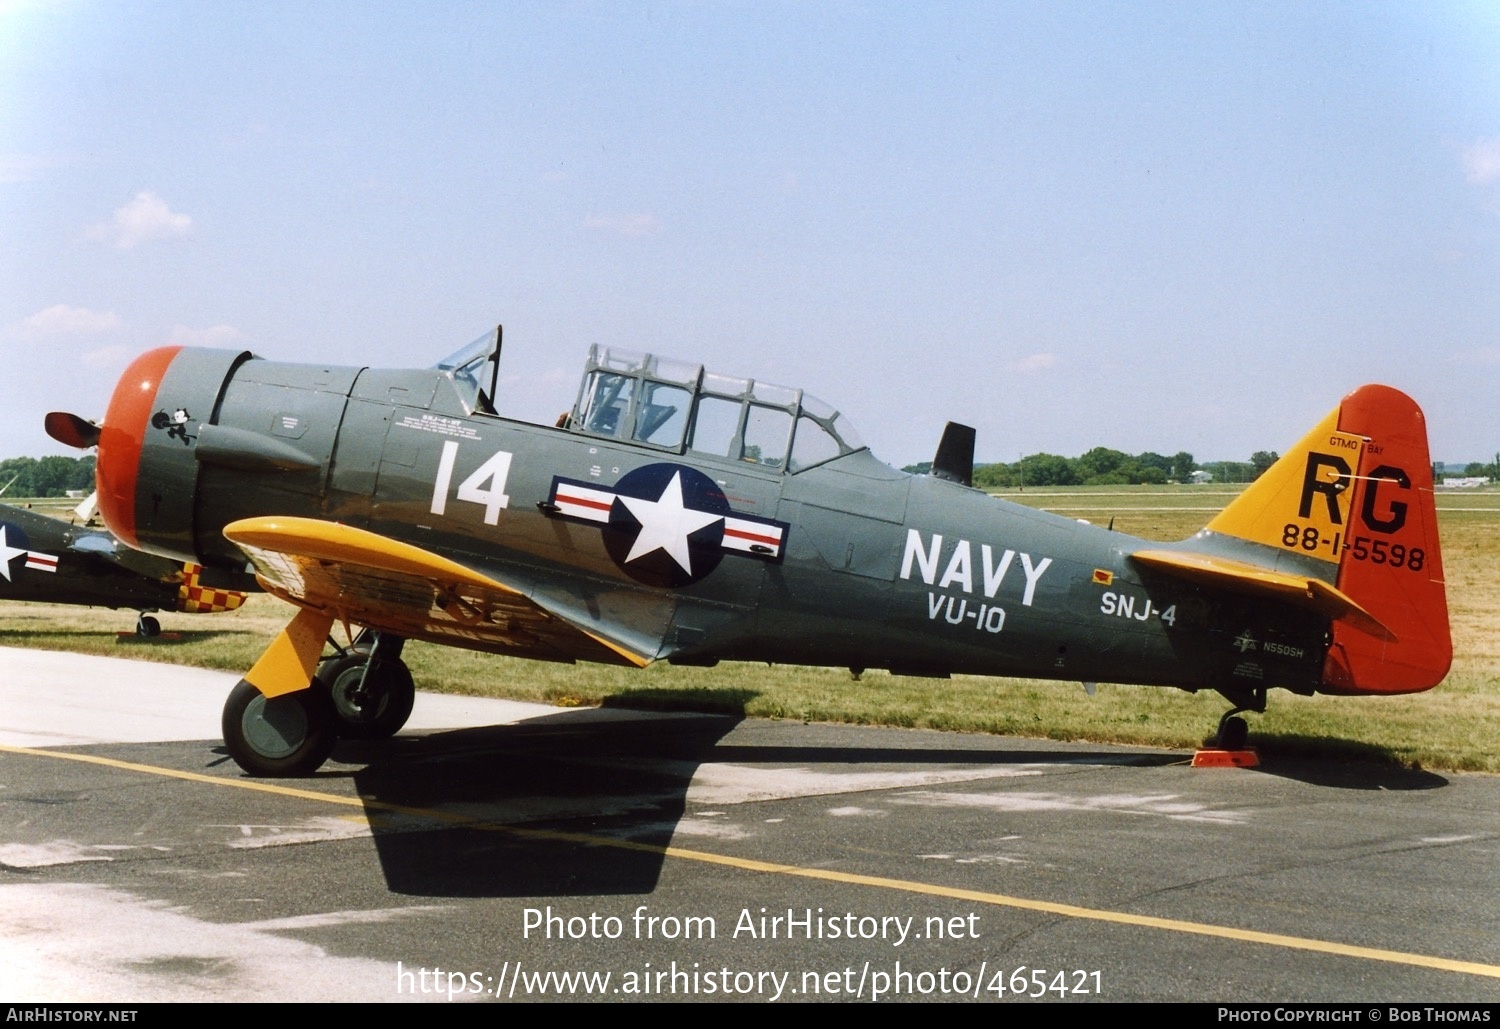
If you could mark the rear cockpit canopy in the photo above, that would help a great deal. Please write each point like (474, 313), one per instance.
(678, 407)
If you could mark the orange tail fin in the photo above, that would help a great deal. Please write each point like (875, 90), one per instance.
(1352, 504)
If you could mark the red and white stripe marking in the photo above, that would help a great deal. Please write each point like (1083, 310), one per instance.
(578, 501)
(744, 535)
(39, 562)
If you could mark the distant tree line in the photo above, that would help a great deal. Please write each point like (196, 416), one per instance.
(1105, 467)
(1099, 467)
(45, 477)
(1476, 469)
(1241, 471)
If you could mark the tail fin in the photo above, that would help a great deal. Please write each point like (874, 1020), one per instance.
(1353, 502)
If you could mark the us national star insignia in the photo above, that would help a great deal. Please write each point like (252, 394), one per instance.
(667, 525)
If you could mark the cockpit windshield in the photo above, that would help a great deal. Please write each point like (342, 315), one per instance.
(472, 372)
(681, 407)
(822, 435)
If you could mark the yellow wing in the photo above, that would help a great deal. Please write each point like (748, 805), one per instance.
(367, 579)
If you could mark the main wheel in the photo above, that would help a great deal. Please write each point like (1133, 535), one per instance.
(279, 736)
(147, 626)
(378, 708)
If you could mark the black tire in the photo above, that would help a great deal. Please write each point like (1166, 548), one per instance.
(292, 734)
(147, 627)
(1233, 734)
(379, 710)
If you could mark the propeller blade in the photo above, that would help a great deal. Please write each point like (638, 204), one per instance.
(71, 430)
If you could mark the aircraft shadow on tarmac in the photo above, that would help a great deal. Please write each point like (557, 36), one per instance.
(1340, 764)
(519, 808)
(528, 801)
(521, 796)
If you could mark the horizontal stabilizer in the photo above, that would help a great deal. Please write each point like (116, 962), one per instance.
(1252, 580)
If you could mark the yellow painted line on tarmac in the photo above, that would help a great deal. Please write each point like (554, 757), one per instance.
(773, 868)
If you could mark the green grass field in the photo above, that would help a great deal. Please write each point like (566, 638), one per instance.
(1453, 727)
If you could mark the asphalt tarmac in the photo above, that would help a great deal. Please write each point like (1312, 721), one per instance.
(501, 851)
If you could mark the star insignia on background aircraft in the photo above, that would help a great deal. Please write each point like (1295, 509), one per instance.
(8, 553)
(35, 560)
(100, 572)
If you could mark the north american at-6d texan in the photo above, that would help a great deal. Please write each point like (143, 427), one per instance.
(677, 514)
(51, 561)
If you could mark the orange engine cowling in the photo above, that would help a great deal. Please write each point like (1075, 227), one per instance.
(122, 436)
(147, 473)
(195, 438)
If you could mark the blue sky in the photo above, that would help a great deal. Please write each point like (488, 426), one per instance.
(1145, 226)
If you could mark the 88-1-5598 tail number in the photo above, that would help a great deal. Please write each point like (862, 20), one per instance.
(1361, 548)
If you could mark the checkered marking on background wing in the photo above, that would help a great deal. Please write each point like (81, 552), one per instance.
(195, 598)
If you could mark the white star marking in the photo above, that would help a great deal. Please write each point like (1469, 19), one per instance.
(666, 524)
(8, 553)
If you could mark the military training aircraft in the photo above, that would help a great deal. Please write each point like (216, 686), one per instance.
(49, 560)
(690, 516)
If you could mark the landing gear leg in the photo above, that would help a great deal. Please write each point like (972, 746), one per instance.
(370, 686)
(147, 627)
(279, 719)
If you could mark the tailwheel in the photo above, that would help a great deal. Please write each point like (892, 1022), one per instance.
(292, 734)
(372, 696)
(146, 626)
(1233, 732)
(1228, 748)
